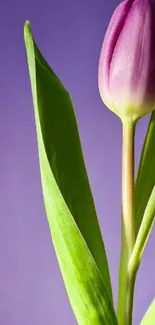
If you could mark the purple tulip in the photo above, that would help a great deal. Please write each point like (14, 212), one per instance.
(127, 60)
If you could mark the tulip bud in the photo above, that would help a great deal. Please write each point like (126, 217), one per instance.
(127, 60)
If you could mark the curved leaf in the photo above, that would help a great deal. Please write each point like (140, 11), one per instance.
(143, 233)
(67, 196)
(149, 317)
(145, 179)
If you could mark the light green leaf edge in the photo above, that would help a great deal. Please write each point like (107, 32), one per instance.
(149, 317)
(143, 234)
(84, 283)
(145, 179)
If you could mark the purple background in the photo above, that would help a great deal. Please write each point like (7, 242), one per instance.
(69, 34)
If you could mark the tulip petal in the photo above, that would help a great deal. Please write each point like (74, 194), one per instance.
(126, 75)
(131, 61)
(114, 29)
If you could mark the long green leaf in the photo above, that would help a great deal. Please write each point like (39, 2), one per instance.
(149, 317)
(67, 196)
(145, 180)
(143, 233)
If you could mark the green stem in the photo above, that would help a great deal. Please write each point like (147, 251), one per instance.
(127, 280)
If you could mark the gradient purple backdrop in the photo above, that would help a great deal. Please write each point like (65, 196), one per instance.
(69, 34)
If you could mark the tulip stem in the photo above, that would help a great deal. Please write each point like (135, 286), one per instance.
(126, 279)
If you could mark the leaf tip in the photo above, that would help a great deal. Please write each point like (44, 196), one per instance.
(27, 29)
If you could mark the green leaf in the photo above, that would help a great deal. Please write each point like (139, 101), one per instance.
(143, 233)
(149, 317)
(68, 200)
(145, 179)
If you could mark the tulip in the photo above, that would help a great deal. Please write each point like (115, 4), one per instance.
(127, 61)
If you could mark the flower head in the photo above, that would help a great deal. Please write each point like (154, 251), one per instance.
(127, 60)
